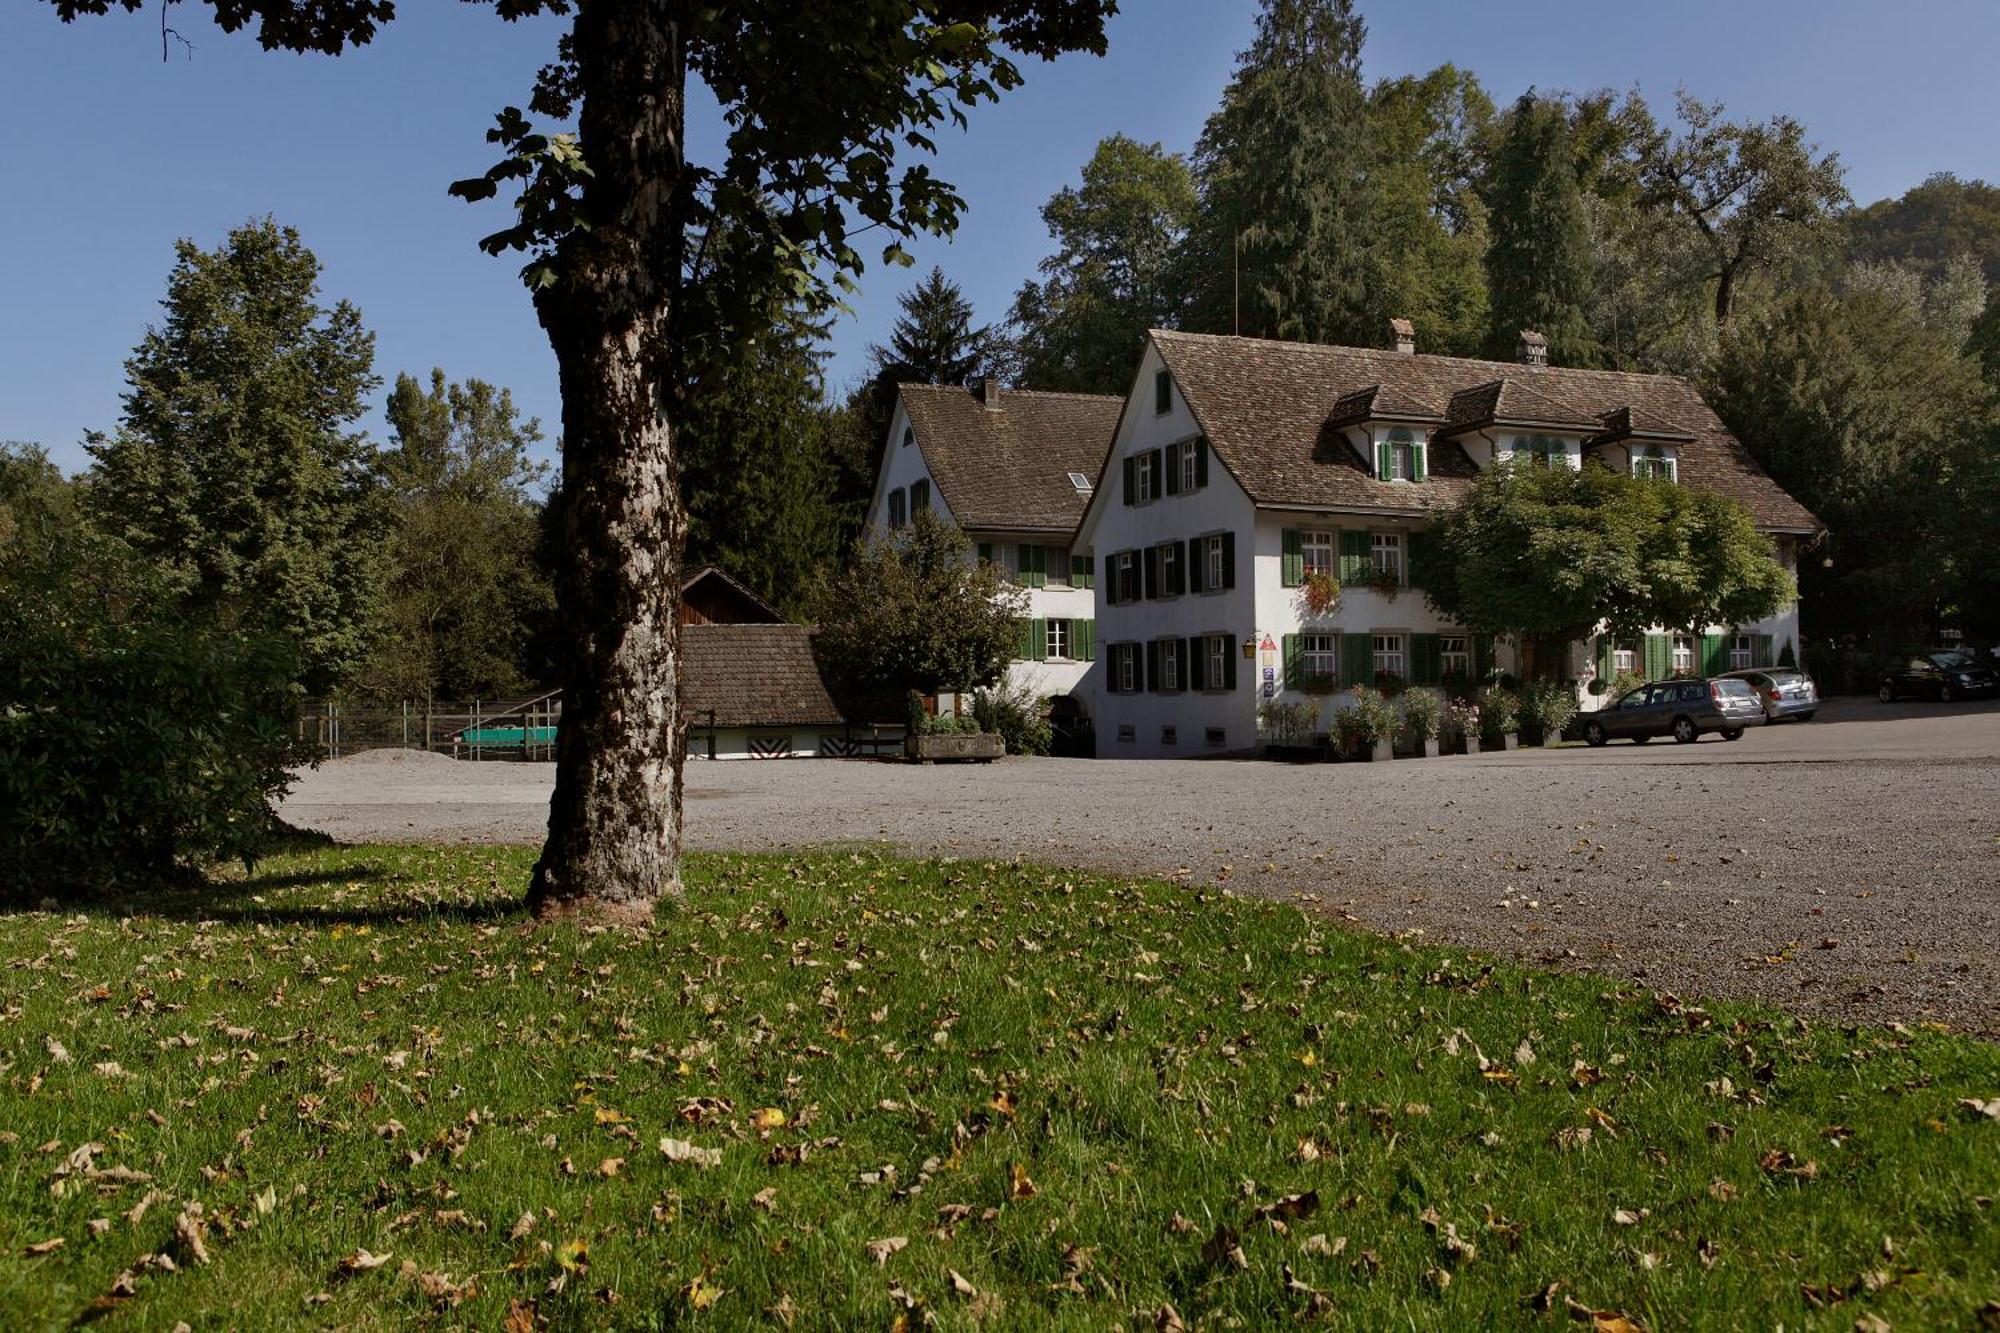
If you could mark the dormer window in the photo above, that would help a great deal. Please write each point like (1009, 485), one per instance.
(1653, 462)
(1399, 456)
(1541, 451)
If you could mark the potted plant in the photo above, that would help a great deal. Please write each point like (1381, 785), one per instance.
(933, 738)
(1385, 581)
(1345, 733)
(1390, 684)
(1423, 717)
(1549, 707)
(1499, 717)
(1459, 728)
(1375, 723)
(1288, 726)
(1321, 592)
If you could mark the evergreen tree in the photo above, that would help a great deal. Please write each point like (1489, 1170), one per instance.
(761, 471)
(1875, 421)
(236, 469)
(469, 599)
(1539, 262)
(1428, 237)
(1082, 325)
(933, 341)
(1279, 245)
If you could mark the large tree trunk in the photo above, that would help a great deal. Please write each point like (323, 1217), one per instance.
(614, 822)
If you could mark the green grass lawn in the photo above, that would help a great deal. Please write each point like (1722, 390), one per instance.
(361, 1089)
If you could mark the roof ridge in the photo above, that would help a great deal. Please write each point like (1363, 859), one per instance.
(1293, 344)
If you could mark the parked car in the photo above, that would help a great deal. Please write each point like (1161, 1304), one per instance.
(1683, 709)
(1944, 674)
(1785, 692)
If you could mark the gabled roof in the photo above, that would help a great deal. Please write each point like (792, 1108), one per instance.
(1379, 403)
(1510, 403)
(753, 676)
(712, 589)
(1006, 468)
(1630, 423)
(1268, 409)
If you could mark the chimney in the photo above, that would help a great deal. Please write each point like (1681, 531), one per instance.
(1404, 335)
(1534, 348)
(986, 388)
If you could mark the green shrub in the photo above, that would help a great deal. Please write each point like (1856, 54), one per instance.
(1549, 707)
(133, 752)
(1499, 712)
(1288, 723)
(1423, 712)
(1375, 718)
(1018, 715)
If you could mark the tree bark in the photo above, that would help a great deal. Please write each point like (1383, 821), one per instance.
(614, 821)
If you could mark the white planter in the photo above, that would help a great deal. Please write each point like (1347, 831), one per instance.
(1383, 752)
(1472, 745)
(1430, 747)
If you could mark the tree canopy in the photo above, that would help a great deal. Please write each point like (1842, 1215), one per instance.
(237, 468)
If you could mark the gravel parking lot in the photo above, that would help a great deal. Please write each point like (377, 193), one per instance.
(1848, 867)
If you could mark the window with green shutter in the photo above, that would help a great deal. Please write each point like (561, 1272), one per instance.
(1292, 559)
(1424, 668)
(1357, 559)
(1034, 566)
(1085, 633)
(1200, 461)
(1173, 477)
(1714, 654)
(1080, 575)
(1357, 659)
(1295, 663)
(1764, 654)
(1659, 650)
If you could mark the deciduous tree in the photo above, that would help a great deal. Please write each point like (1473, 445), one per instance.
(820, 102)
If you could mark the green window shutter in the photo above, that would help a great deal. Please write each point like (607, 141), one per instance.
(1423, 548)
(1194, 567)
(1229, 560)
(1762, 643)
(1038, 638)
(1200, 461)
(1197, 664)
(1419, 460)
(1659, 656)
(1131, 478)
(1357, 659)
(1424, 659)
(1295, 662)
(1025, 647)
(1382, 448)
(1084, 632)
(986, 553)
(1714, 654)
(1229, 656)
(1079, 572)
(1604, 659)
(1173, 478)
(1355, 557)
(1292, 564)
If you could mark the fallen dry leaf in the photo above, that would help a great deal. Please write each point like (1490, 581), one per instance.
(680, 1150)
(361, 1261)
(880, 1250)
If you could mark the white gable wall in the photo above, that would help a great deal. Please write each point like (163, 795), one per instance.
(901, 465)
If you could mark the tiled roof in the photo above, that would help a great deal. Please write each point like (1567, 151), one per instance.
(753, 676)
(1629, 423)
(1267, 407)
(1377, 403)
(723, 589)
(1006, 468)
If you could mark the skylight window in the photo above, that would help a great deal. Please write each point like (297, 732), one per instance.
(1081, 482)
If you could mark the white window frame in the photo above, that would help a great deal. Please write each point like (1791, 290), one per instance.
(1127, 668)
(1319, 656)
(1058, 645)
(1216, 648)
(1055, 561)
(1390, 544)
(1147, 485)
(1188, 473)
(1391, 654)
(1128, 563)
(1213, 565)
(1170, 561)
(1684, 644)
(1402, 459)
(1653, 461)
(1742, 652)
(1624, 660)
(1455, 659)
(1170, 665)
(1316, 550)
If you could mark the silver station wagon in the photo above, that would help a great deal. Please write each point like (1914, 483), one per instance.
(1683, 709)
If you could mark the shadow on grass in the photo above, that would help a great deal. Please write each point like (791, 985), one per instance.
(232, 901)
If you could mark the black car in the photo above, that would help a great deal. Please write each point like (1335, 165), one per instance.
(1937, 673)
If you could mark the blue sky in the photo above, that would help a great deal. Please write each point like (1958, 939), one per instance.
(111, 154)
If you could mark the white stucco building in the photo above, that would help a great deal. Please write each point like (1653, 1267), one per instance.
(1014, 470)
(1243, 471)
